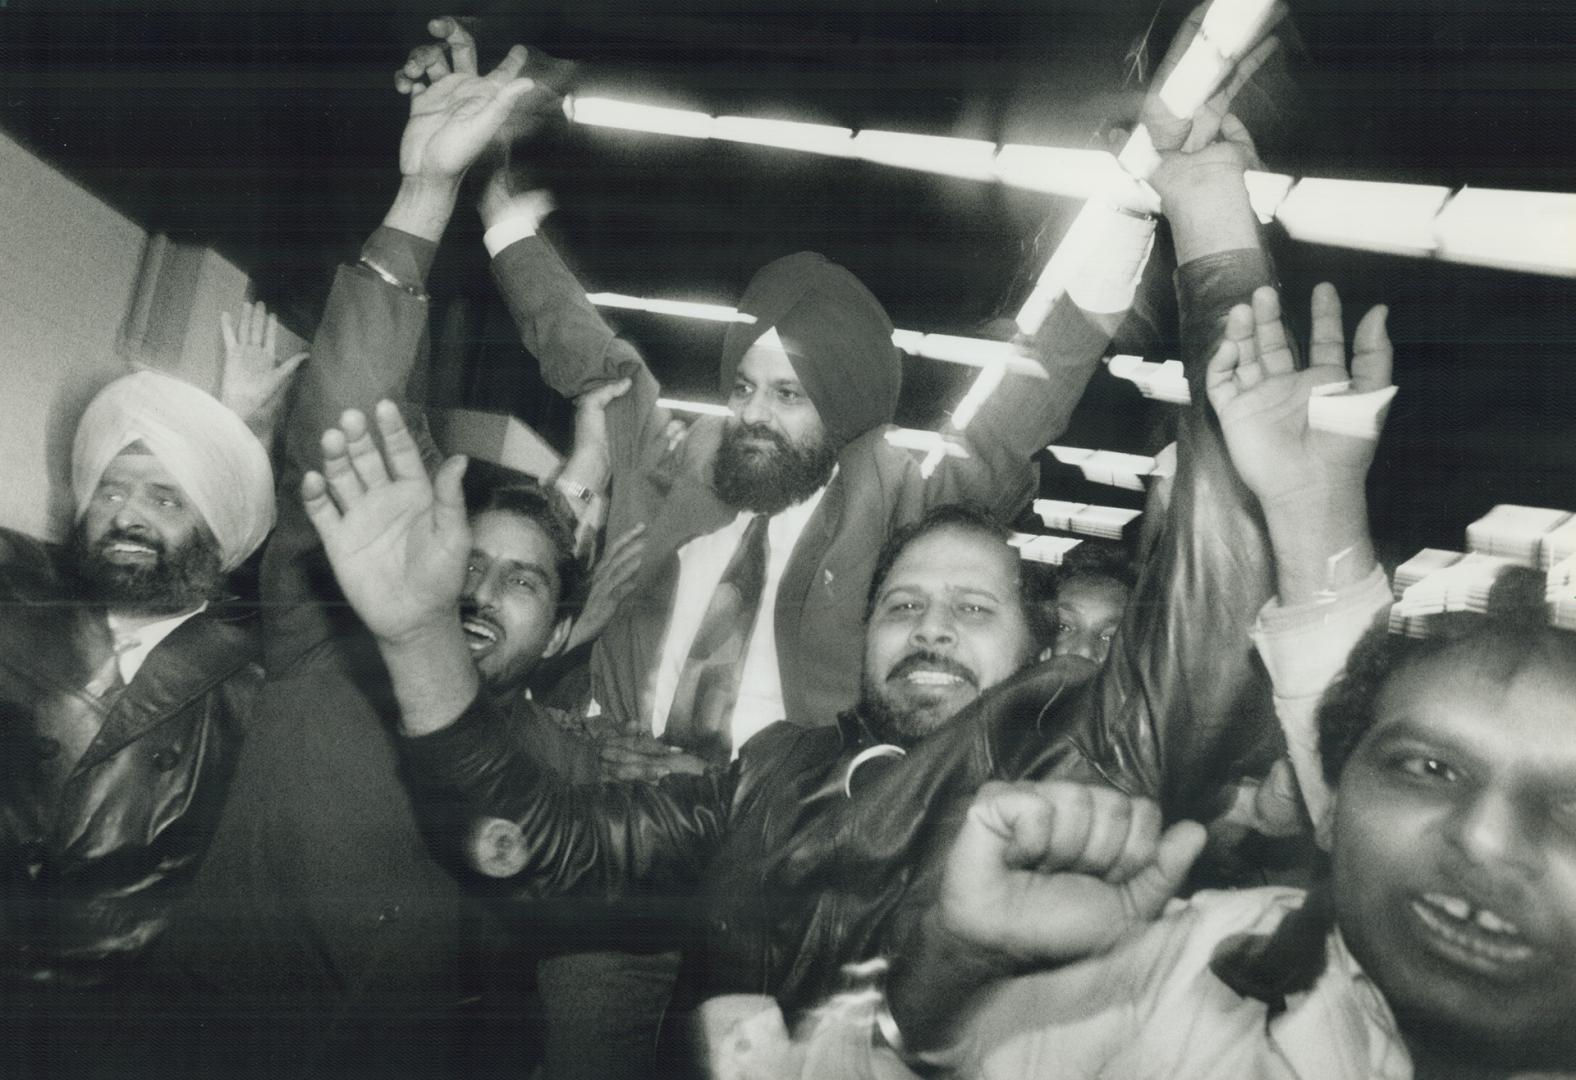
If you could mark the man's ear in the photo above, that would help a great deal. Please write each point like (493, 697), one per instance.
(555, 643)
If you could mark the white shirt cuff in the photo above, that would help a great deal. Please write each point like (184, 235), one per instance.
(521, 219)
(1305, 646)
(1111, 247)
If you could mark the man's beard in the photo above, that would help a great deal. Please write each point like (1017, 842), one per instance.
(905, 727)
(889, 725)
(172, 582)
(767, 481)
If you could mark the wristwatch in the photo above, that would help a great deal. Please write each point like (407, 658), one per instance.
(576, 491)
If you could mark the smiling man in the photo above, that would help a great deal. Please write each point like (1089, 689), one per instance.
(1440, 940)
(123, 698)
(950, 615)
(947, 620)
(794, 491)
(521, 566)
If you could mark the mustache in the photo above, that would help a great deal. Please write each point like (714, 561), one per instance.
(127, 536)
(932, 661)
(739, 430)
(470, 609)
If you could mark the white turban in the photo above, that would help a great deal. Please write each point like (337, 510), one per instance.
(208, 449)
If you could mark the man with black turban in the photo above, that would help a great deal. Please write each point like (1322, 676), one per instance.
(812, 382)
(762, 531)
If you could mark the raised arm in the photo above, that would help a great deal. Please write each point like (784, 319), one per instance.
(1182, 708)
(1102, 257)
(1041, 875)
(255, 381)
(372, 334)
(560, 326)
(398, 540)
(1302, 441)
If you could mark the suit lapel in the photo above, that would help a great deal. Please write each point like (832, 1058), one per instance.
(198, 655)
(799, 577)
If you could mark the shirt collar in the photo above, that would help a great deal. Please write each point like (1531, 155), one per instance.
(133, 641)
(1342, 1026)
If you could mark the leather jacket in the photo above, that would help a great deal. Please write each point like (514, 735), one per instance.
(797, 874)
(95, 847)
(678, 863)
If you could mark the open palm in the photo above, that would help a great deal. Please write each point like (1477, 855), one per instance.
(455, 112)
(1269, 410)
(398, 541)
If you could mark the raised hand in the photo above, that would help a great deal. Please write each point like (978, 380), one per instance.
(1051, 872)
(1194, 132)
(454, 111)
(254, 380)
(1277, 444)
(398, 541)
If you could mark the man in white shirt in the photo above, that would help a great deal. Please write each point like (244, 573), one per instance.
(811, 381)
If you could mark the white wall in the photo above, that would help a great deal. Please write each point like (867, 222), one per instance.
(67, 277)
(82, 289)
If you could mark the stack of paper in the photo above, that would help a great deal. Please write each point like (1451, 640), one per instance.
(1413, 626)
(1109, 467)
(1419, 566)
(1515, 532)
(1043, 549)
(1559, 545)
(1106, 522)
(1462, 586)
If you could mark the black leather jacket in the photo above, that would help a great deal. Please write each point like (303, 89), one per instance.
(684, 862)
(93, 852)
(796, 877)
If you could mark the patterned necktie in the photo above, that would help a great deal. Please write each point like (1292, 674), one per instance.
(106, 682)
(702, 714)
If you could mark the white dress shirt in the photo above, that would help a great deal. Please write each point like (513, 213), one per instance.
(701, 565)
(133, 642)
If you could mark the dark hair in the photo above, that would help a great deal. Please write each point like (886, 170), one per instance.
(1035, 586)
(527, 499)
(1513, 633)
(1094, 558)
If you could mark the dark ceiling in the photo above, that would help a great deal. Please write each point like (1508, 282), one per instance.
(269, 130)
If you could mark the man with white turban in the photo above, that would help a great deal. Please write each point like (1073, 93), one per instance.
(123, 699)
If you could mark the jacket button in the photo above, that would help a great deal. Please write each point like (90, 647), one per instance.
(389, 913)
(164, 760)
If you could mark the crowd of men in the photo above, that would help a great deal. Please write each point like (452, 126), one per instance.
(826, 779)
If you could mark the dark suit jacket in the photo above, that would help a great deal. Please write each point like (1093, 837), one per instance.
(821, 599)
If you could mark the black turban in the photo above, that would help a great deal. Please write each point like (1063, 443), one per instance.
(837, 335)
